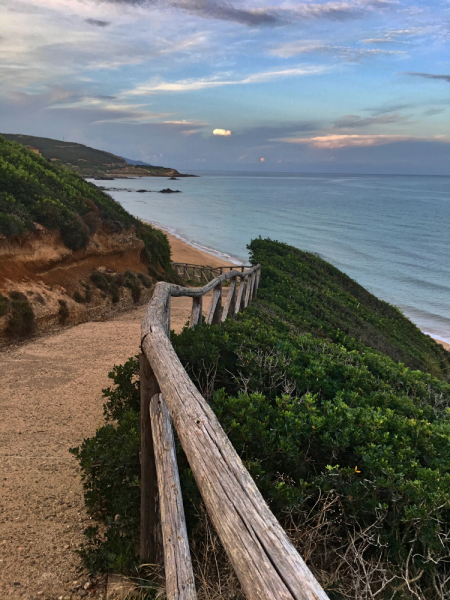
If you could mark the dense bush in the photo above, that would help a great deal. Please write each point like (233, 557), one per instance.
(63, 312)
(132, 282)
(21, 320)
(86, 298)
(4, 304)
(350, 449)
(111, 475)
(310, 295)
(33, 189)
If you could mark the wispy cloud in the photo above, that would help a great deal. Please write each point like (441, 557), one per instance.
(188, 85)
(351, 54)
(429, 76)
(355, 121)
(361, 141)
(211, 9)
(98, 23)
(390, 108)
(268, 15)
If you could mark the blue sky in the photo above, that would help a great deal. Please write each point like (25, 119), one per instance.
(358, 86)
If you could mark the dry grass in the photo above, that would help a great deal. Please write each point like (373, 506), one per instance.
(354, 567)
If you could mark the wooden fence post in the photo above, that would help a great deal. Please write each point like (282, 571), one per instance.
(196, 314)
(258, 277)
(215, 308)
(150, 520)
(240, 297)
(248, 290)
(179, 574)
(230, 302)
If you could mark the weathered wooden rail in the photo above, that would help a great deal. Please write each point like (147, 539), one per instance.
(190, 272)
(265, 561)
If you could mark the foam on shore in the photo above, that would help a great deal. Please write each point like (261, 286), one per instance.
(212, 251)
(437, 337)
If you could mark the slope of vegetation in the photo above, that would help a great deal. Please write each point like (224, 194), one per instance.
(33, 190)
(308, 294)
(84, 160)
(350, 448)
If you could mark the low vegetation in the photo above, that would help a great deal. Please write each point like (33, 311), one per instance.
(20, 315)
(339, 408)
(34, 190)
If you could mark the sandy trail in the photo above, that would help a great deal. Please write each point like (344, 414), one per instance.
(50, 399)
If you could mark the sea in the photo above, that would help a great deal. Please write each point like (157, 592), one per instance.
(390, 233)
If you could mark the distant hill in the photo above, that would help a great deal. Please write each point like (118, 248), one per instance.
(86, 161)
(139, 163)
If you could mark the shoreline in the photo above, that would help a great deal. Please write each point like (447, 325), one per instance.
(446, 345)
(184, 250)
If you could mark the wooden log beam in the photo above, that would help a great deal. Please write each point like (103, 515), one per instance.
(180, 583)
(178, 290)
(258, 278)
(196, 314)
(240, 297)
(215, 308)
(230, 302)
(150, 551)
(253, 286)
(266, 563)
(248, 290)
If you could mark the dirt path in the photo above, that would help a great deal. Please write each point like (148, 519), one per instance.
(50, 400)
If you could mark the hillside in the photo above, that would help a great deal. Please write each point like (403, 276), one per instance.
(319, 299)
(348, 446)
(68, 251)
(89, 162)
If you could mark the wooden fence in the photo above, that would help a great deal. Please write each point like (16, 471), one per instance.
(200, 273)
(265, 561)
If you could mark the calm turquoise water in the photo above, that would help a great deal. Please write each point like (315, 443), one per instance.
(389, 233)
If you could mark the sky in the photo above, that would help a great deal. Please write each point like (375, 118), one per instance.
(352, 86)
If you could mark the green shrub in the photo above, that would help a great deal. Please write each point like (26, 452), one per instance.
(350, 449)
(87, 292)
(4, 304)
(119, 280)
(132, 282)
(115, 293)
(63, 313)
(146, 281)
(111, 491)
(157, 247)
(78, 297)
(21, 321)
(100, 281)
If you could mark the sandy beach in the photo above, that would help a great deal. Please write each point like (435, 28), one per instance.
(184, 252)
(444, 344)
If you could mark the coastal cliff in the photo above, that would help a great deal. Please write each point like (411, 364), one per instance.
(68, 251)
